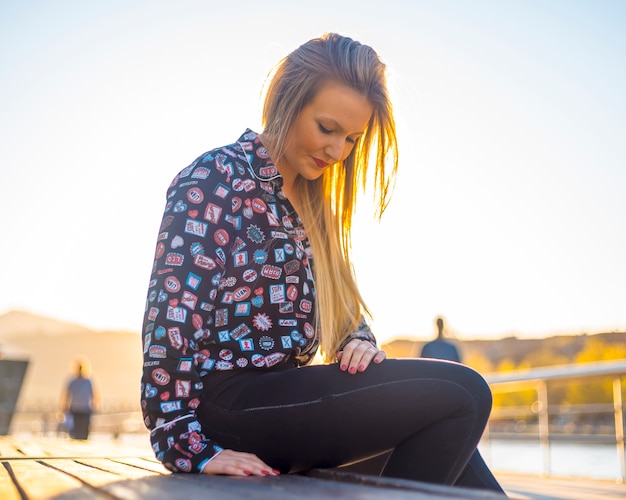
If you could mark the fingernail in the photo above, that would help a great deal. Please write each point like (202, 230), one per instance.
(352, 370)
(361, 368)
(343, 368)
(265, 472)
(276, 471)
(246, 472)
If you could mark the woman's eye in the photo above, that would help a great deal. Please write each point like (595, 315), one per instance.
(323, 129)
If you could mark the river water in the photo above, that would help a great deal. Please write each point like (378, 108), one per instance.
(594, 461)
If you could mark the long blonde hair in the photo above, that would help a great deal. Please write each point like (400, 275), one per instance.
(326, 205)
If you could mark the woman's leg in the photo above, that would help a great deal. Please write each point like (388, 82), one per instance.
(477, 475)
(430, 413)
(80, 430)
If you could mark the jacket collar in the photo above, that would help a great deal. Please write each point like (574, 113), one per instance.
(261, 165)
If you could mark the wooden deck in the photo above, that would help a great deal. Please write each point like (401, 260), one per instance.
(51, 468)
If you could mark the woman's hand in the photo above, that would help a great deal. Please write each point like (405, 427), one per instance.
(357, 355)
(236, 463)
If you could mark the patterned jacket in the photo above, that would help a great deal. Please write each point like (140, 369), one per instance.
(231, 289)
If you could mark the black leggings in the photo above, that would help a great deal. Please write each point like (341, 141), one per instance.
(430, 414)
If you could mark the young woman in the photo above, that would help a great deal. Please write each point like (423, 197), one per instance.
(252, 274)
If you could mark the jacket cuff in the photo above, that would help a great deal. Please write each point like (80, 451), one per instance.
(362, 333)
(181, 447)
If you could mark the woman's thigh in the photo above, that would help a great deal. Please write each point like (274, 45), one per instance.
(319, 416)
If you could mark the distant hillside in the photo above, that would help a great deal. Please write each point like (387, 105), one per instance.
(51, 347)
(15, 323)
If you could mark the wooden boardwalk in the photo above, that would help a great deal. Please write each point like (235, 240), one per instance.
(50, 468)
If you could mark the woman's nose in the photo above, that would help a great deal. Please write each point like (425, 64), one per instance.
(334, 150)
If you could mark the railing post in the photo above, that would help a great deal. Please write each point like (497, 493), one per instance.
(619, 426)
(544, 424)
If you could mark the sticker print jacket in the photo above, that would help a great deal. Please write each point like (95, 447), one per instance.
(231, 289)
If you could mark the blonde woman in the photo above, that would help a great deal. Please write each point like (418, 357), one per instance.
(252, 274)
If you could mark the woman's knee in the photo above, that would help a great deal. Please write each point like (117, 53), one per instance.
(478, 387)
(468, 378)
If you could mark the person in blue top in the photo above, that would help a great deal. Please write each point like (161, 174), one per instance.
(252, 277)
(440, 348)
(79, 401)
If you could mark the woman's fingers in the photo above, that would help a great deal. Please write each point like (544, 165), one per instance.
(357, 355)
(380, 357)
(235, 463)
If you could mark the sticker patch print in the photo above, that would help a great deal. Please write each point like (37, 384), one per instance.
(231, 289)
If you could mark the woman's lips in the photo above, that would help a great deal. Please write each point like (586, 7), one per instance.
(320, 163)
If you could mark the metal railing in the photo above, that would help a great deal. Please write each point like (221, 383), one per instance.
(538, 379)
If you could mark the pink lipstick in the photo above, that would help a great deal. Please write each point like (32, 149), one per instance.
(320, 163)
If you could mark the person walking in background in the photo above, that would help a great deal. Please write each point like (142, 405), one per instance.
(79, 402)
(440, 348)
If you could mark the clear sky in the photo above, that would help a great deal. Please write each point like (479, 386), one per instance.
(509, 213)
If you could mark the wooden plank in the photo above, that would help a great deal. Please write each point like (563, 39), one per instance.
(86, 474)
(120, 469)
(117, 481)
(40, 482)
(69, 448)
(95, 469)
(42, 447)
(120, 481)
(8, 490)
(7, 450)
(143, 463)
(66, 448)
(30, 449)
(423, 490)
(287, 487)
(295, 485)
(167, 487)
(520, 487)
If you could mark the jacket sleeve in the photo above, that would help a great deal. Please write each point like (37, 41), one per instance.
(176, 328)
(363, 332)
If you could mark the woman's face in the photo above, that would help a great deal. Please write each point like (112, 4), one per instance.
(324, 132)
